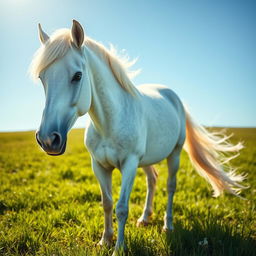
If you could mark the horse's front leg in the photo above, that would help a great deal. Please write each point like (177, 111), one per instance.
(104, 177)
(128, 170)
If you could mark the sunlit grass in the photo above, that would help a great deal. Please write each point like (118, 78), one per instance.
(52, 206)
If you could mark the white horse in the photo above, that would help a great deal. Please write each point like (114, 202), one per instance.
(129, 126)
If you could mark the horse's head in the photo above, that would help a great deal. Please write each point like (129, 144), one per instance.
(61, 66)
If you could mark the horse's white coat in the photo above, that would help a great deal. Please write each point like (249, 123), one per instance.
(124, 131)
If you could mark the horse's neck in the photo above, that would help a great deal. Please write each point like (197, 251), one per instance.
(107, 96)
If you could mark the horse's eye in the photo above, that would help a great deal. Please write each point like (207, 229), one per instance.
(77, 77)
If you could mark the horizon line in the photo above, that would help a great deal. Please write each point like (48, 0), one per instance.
(76, 128)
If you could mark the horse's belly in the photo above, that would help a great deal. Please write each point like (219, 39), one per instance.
(163, 134)
(160, 147)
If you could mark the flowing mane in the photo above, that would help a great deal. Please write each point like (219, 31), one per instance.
(61, 41)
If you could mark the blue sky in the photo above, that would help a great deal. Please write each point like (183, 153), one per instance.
(204, 50)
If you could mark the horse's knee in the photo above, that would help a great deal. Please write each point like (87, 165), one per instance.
(121, 212)
(171, 185)
(107, 204)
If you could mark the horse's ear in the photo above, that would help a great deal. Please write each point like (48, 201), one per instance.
(42, 35)
(77, 33)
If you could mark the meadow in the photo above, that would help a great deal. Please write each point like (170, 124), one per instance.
(52, 205)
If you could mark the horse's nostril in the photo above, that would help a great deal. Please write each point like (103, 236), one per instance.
(56, 139)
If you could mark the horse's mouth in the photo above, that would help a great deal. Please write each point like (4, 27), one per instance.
(58, 153)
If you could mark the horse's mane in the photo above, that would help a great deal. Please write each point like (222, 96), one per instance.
(59, 44)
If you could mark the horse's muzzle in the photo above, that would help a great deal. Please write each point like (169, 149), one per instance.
(53, 145)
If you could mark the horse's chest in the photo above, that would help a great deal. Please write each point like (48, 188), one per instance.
(108, 152)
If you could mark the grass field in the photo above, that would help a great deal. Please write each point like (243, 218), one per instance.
(52, 206)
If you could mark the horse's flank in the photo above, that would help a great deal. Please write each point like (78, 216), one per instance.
(61, 42)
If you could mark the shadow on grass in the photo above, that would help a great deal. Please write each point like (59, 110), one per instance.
(197, 237)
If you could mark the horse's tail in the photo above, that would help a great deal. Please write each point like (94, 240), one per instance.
(207, 153)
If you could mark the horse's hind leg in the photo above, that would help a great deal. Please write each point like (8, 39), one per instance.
(173, 162)
(151, 184)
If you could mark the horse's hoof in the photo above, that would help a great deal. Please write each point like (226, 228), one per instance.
(142, 223)
(168, 229)
(105, 242)
(122, 251)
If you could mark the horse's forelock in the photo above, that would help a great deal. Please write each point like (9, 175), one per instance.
(57, 46)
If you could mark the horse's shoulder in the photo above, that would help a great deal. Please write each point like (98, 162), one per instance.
(91, 136)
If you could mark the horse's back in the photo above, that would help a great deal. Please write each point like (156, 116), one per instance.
(162, 100)
(157, 91)
(165, 118)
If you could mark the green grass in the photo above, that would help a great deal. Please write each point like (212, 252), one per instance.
(52, 206)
